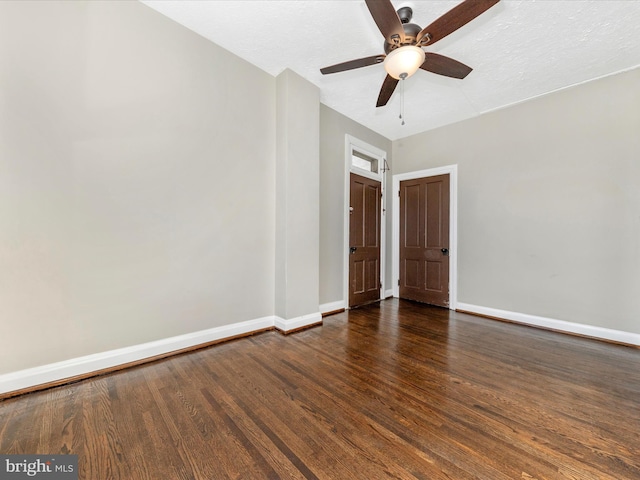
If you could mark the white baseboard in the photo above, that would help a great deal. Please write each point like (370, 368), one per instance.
(333, 306)
(298, 322)
(53, 372)
(341, 304)
(553, 324)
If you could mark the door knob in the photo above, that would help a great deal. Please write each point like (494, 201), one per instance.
(353, 249)
(445, 251)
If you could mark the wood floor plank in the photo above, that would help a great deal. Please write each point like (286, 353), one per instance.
(403, 420)
(349, 436)
(392, 390)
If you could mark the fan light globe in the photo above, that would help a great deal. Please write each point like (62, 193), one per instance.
(404, 61)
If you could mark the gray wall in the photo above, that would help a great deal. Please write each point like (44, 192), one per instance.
(549, 203)
(333, 127)
(137, 181)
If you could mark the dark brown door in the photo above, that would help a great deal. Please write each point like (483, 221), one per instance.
(424, 240)
(364, 241)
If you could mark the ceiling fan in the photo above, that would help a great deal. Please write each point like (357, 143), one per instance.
(403, 42)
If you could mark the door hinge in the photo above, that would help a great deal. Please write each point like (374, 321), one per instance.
(398, 282)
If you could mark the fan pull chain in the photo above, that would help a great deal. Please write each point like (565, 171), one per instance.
(402, 78)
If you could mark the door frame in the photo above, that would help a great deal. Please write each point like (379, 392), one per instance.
(354, 144)
(452, 170)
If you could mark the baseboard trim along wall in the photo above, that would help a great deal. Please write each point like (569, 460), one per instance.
(84, 367)
(553, 324)
(341, 305)
(333, 306)
(292, 324)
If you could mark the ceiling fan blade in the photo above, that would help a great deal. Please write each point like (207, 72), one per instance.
(453, 20)
(446, 66)
(351, 64)
(386, 17)
(388, 86)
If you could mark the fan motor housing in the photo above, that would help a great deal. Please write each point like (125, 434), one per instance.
(411, 31)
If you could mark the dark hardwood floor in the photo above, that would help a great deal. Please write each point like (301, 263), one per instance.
(395, 390)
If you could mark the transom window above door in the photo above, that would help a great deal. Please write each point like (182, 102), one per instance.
(364, 161)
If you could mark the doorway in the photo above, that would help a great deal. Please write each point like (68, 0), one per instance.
(425, 268)
(364, 240)
(424, 240)
(364, 267)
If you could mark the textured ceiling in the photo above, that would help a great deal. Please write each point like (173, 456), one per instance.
(518, 50)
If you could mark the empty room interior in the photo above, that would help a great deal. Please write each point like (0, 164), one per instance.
(236, 242)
